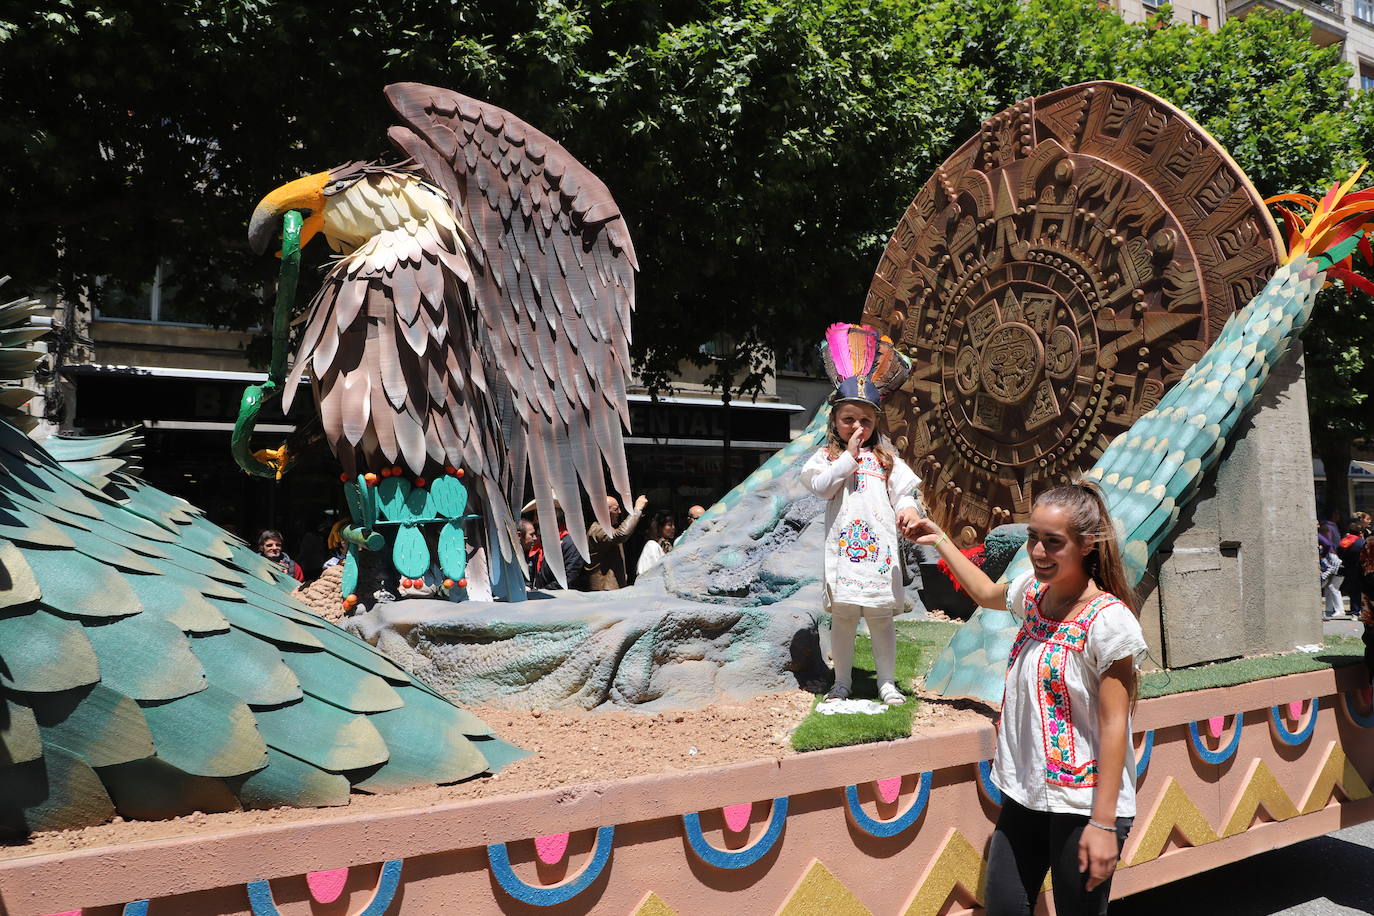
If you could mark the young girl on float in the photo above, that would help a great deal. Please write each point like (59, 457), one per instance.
(1065, 762)
(871, 493)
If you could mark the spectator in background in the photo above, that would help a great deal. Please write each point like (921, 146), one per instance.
(270, 545)
(1366, 609)
(661, 535)
(574, 567)
(1329, 565)
(541, 576)
(606, 565)
(1349, 550)
(695, 513)
(1332, 526)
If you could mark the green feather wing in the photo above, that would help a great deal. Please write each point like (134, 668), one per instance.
(152, 665)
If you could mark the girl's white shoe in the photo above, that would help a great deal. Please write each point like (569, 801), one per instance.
(891, 695)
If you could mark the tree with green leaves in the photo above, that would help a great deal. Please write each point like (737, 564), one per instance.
(761, 150)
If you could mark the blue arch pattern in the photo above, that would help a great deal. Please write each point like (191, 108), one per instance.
(262, 904)
(1143, 761)
(736, 858)
(1294, 738)
(1362, 719)
(985, 783)
(1221, 755)
(533, 895)
(874, 827)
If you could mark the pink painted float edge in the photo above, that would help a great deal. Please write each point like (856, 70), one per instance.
(159, 868)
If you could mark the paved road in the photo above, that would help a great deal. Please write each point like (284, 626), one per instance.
(1329, 875)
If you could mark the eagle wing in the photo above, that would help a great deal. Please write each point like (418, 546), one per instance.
(553, 286)
(394, 351)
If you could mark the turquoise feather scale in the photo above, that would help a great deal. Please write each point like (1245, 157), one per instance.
(152, 665)
(1151, 471)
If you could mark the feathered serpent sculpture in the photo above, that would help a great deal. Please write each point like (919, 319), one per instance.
(476, 323)
(1150, 472)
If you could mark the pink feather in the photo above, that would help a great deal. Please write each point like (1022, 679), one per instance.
(837, 342)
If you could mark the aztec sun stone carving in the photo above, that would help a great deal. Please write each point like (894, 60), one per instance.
(1057, 274)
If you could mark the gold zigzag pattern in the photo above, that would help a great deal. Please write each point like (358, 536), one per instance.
(820, 893)
(959, 868)
(1175, 813)
(653, 905)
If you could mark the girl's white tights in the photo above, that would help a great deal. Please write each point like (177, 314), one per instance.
(844, 623)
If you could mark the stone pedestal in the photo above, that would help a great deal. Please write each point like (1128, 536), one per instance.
(1239, 577)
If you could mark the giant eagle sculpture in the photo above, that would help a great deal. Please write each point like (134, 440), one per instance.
(477, 319)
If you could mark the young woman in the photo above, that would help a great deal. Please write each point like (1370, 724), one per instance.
(661, 536)
(1064, 762)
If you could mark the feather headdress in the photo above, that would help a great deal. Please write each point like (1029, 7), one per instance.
(862, 365)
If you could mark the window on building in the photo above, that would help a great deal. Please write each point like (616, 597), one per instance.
(1202, 20)
(1364, 10)
(1366, 76)
(157, 300)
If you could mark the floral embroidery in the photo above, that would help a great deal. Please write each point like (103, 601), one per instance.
(869, 466)
(1057, 638)
(858, 543)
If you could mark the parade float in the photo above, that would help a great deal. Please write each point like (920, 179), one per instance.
(1088, 286)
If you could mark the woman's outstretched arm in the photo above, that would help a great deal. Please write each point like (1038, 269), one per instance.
(980, 588)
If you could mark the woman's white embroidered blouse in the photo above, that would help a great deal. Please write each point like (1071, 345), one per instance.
(1047, 734)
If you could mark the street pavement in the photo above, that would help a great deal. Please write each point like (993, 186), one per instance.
(1328, 875)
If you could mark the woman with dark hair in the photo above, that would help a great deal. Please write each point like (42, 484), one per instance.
(271, 546)
(662, 532)
(1064, 760)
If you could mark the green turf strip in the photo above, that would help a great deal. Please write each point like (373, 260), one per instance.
(918, 644)
(1336, 651)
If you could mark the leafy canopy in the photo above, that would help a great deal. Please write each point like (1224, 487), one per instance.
(761, 150)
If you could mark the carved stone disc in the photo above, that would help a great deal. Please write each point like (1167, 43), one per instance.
(1051, 281)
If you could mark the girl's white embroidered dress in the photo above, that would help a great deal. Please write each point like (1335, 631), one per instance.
(1048, 729)
(862, 561)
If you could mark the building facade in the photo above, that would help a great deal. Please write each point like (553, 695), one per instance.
(1347, 23)
(182, 383)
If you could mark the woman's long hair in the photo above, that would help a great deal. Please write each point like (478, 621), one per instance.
(1092, 523)
(878, 442)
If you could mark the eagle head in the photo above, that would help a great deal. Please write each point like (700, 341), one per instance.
(313, 194)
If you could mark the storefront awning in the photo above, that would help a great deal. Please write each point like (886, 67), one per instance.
(1358, 469)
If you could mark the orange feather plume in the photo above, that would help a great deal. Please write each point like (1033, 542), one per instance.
(1318, 227)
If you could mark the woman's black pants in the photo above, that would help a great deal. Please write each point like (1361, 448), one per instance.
(1025, 846)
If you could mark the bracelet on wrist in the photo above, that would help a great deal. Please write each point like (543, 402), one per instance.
(1093, 823)
(943, 537)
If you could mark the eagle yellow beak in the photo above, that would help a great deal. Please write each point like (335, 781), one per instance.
(302, 194)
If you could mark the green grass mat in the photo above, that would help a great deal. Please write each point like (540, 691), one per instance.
(1336, 651)
(918, 644)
